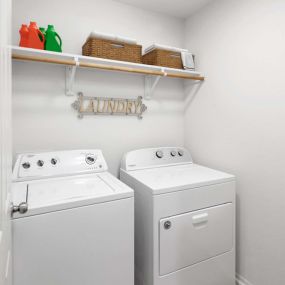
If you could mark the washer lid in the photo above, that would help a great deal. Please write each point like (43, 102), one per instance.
(57, 194)
(179, 177)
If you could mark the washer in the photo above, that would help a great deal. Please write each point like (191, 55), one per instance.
(72, 221)
(184, 219)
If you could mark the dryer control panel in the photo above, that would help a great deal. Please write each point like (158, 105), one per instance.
(155, 157)
(58, 163)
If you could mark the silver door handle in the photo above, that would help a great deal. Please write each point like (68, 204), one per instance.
(23, 207)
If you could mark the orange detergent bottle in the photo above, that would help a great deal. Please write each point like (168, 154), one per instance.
(36, 37)
(24, 36)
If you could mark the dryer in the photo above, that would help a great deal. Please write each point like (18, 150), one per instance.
(184, 219)
(72, 222)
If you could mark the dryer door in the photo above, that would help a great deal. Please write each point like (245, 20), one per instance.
(190, 238)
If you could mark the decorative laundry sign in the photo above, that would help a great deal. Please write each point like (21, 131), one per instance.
(108, 106)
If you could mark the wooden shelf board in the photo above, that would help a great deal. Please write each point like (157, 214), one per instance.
(27, 54)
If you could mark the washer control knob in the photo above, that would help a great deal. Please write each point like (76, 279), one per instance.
(26, 165)
(40, 163)
(180, 152)
(90, 158)
(159, 154)
(53, 161)
(173, 153)
(167, 225)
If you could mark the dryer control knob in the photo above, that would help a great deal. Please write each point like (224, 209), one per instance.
(159, 154)
(180, 153)
(53, 161)
(173, 153)
(40, 163)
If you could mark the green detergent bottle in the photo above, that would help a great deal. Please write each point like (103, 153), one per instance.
(53, 40)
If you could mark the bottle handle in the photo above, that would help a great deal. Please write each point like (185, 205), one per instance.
(60, 41)
(42, 36)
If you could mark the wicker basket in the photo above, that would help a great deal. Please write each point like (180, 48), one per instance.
(112, 50)
(163, 58)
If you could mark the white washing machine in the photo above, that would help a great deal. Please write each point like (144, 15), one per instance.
(184, 219)
(72, 222)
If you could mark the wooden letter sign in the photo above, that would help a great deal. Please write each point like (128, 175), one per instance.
(108, 106)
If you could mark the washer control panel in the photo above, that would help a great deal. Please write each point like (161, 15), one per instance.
(155, 157)
(58, 163)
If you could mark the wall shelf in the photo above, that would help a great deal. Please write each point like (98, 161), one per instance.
(152, 73)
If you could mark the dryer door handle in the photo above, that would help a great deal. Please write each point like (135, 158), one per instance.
(200, 219)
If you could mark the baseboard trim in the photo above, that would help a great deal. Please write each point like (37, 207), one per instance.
(241, 280)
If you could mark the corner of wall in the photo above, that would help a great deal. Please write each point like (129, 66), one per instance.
(241, 280)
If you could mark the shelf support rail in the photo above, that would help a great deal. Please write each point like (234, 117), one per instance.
(70, 77)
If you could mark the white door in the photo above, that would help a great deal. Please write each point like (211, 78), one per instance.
(5, 142)
(90, 245)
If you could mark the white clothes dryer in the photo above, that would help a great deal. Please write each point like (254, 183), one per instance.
(184, 219)
(72, 221)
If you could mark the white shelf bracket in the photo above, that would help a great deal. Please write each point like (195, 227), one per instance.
(150, 83)
(70, 77)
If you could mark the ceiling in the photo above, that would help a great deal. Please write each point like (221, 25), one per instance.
(177, 8)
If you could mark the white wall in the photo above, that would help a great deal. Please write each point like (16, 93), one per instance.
(43, 118)
(237, 121)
